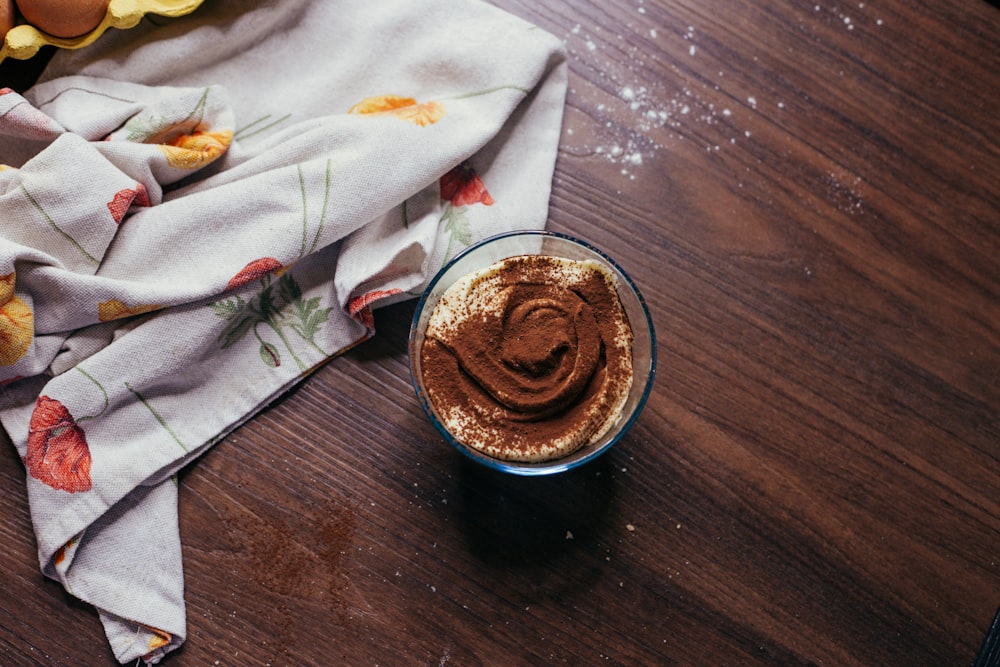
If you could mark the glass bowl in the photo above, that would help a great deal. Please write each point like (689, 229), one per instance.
(502, 246)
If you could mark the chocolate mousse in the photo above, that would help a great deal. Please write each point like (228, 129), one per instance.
(529, 359)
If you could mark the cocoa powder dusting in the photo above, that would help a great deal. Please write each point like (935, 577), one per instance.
(532, 359)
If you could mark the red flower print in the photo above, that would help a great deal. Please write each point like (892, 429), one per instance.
(141, 196)
(118, 206)
(28, 121)
(252, 271)
(462, 186)
(360, 306)
(58, 454)
(123, 199)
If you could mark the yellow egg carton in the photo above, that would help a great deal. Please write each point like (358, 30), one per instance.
(23, 41)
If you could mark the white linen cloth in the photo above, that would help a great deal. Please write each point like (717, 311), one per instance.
(196, 212)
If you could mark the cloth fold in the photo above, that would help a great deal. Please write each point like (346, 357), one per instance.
(197, 212)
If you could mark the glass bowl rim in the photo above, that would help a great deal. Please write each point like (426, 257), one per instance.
(518, 467)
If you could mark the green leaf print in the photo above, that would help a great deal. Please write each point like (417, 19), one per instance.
(279, 310)
(289, 289)
(142, 128)
(309, 318)
(456, 224)
(229, 308)
(303, 316)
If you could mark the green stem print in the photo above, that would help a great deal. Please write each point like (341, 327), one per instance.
(157, 416)
(456, 224)
(280, 305)
(142, 128)
(487, 91)
(281, 310)
(103, 393)
(305, 212)
(255, 127)
(57, 228)
(197, 114)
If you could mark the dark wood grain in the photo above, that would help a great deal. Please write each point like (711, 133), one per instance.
(808, 195)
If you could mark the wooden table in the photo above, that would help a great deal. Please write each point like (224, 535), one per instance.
(808, 194)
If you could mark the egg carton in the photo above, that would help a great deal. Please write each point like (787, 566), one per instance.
(23, 41)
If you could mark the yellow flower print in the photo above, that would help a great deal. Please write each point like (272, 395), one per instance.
(195, 150)
(17, 323)
(6, 287)
(115, 310)
(158, 639)
(406, 108)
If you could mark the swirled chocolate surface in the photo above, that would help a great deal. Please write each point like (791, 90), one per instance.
(530, 358)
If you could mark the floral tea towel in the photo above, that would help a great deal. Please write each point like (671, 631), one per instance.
(196, 212)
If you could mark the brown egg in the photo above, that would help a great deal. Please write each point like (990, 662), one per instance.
(64, 18)
(6, 17)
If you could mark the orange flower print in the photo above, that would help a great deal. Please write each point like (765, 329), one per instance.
(406, 108)
(58, 454)
(195, 150)
(17, 323)
(159, 639)
(360, 306)
(254, 270)
(123, 199)
(113, 309)
(59, 556)
(63, 555)
(462, 186)
(7, 286)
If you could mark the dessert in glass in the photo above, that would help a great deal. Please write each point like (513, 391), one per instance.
(532, 352)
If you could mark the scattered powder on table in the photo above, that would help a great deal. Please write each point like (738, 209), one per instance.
(642, 113)
(641, 116)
